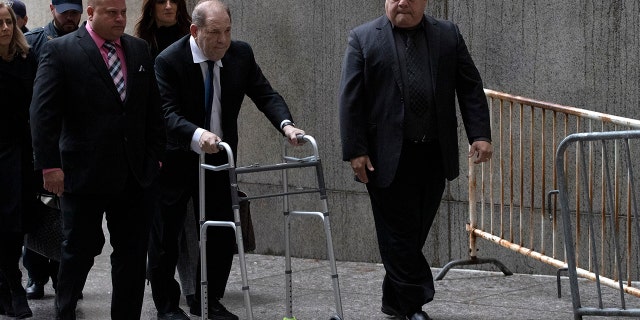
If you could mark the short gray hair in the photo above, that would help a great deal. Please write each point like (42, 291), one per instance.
(199, 15)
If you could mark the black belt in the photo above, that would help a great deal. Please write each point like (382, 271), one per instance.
(423, 140)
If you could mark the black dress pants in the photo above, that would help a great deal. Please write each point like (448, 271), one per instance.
(10, 274)
(128, 223)
(168, 223)
(403, 213)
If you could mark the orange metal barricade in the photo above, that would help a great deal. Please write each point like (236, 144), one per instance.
(512, 199)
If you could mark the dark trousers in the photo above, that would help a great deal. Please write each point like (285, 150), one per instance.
(167, 226)
(128, 225)
(10, 276)
(403, 213)
(40, 268)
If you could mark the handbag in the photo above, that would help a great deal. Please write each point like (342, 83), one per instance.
(248, 237)
(46, 237)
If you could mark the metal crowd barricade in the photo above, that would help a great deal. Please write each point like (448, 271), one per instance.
(288, 162)
(598, 193)
(512, 198)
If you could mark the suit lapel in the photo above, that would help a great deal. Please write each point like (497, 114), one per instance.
(388, 45)
(193, 72)
(432, 33)
(95, 57)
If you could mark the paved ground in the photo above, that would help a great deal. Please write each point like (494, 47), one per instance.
(462, 294)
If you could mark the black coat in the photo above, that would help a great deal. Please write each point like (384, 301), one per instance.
(371, 96)
(80, 124)
(182, 92)
(16, 159)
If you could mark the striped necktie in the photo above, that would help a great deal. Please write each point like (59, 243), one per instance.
(115, 69)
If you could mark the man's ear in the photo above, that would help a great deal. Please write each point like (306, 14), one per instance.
(193, 29)
(90, 12)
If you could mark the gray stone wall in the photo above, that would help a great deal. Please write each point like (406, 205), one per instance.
(581, 53)
(577, 53)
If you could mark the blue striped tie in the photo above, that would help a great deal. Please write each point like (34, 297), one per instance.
(115, 69)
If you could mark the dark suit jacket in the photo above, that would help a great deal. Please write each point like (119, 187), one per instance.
(371, 95)
(80, 124)
(182, 92)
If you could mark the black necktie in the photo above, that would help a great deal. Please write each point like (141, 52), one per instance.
(416, 71)
(208, 94)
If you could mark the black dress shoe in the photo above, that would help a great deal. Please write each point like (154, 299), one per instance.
(6, 308)
(173, 315)
(8, 313)
(21, 308)
(35, 291)
(218, 312)
(420, 315)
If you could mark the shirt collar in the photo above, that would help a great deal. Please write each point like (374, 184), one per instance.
(198, 56)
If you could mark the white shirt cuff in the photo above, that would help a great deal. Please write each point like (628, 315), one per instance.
(286, 122)
(195, 140)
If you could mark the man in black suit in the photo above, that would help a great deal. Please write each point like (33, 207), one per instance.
(98, 136)
(66, 17)
(400, 75)
(203, 79)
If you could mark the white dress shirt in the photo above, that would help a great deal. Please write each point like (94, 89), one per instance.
(216, 108)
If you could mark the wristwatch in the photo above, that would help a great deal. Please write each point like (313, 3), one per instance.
(287, 123)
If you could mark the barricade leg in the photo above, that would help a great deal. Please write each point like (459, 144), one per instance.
(473, 259)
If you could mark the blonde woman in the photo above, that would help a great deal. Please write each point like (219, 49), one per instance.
(17, 72)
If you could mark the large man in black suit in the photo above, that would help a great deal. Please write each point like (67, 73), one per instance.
(401, 73)
(99, 145)
(203, 79)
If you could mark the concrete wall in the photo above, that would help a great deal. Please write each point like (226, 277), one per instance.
(576, 52)
(579, 53)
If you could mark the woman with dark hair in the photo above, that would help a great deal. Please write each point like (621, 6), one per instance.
(162, 22)
(17, 197)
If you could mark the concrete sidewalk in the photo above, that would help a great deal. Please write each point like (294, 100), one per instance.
(462, 294)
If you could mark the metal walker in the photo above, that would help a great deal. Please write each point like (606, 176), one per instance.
(288, 162)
